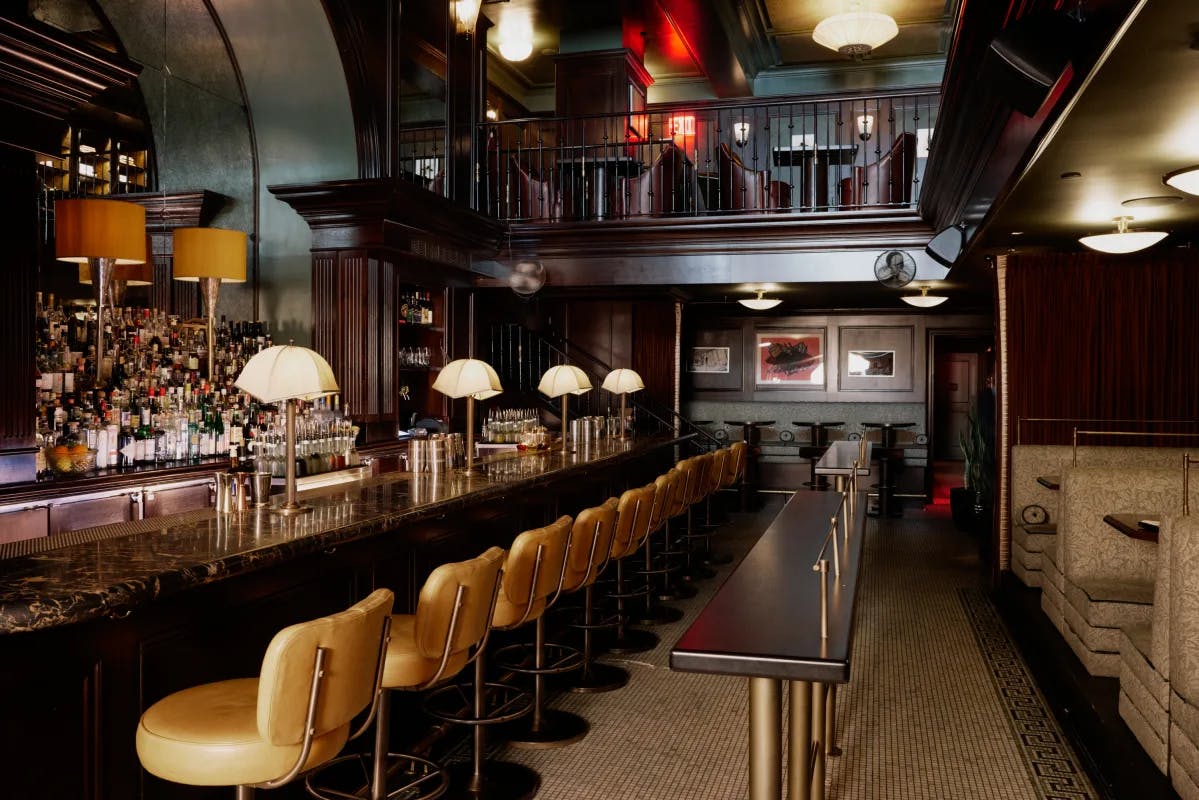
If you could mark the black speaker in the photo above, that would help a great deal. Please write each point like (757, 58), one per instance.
(1028, 56)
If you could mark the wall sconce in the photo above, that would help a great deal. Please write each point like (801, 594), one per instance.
(492, 114)
(741, 133)
(865, 127)
(466, 14)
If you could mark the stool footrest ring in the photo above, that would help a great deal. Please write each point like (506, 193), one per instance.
(422, 779)
(454, 703)
(519, 658)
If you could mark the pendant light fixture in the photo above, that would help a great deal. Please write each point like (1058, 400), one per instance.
(1123, 240)
(924, 299)
(760, 303)
(1184, 180)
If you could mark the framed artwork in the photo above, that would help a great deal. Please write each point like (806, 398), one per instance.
(790, 359)
(709, 359)
(876, 359)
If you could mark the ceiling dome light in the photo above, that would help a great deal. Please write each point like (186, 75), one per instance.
(760, 303)
(516, 38)
(1123, 240)
(855, 33)
(1184, 180)
(924, 299)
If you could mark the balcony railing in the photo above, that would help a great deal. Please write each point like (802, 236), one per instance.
(779, 157)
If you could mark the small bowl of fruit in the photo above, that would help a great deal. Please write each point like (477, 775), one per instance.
(70, 459)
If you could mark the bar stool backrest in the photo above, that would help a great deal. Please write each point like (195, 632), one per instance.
(533, 571)
(716, 470)
(633, 511)
(664, 489)
(734, 464)
(590, 545)
(693, 474)
(353, 640)
(682, 484)
(453, 612)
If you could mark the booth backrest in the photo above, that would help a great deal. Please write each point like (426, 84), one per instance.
(1184, 609)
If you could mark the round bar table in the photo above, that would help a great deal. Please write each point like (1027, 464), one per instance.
(751, 435)
(817, 444)
(886, 453)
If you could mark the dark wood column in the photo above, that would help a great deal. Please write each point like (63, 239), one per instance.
(466, 81)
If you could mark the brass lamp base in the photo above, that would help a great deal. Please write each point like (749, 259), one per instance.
(290, 511)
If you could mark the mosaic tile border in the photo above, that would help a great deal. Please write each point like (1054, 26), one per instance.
(1052, 765)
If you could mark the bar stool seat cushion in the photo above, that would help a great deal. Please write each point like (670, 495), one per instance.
(208, 736)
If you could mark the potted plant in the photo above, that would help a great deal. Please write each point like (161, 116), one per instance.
(971, 504)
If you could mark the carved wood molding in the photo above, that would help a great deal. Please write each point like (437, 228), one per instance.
(392, 215)
(165, 212)
(49, 72)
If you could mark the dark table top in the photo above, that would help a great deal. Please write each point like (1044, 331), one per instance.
(745, 422)
(765, 620)
(885, 425)
(818, 424)
(1133, 525)
(827, 153)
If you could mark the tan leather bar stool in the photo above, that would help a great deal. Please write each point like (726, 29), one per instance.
(655, 613)
(595, 529)
(664, 559)
(697, 484)
(447, 632)
(264, 732)
(634, 513)
(532, 579)
(712, 481)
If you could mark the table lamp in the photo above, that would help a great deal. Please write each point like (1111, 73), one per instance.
(122, 277)
(287, 373)
(474, 380)
(102, 234)
(623, 382)
(210, 256)
(562, 381)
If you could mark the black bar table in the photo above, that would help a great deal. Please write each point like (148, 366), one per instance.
(886, 453)
(765, 624)
(817, 444)
(751, 435)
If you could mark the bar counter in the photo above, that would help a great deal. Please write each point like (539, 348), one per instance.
(97, 630)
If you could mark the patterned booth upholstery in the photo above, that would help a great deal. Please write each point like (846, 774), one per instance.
(1184, 658)
(1032, 544)
(1104, 580)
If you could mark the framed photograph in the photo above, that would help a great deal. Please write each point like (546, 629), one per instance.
(709, 359)
(871, 363)
(790, 359)
(876, 359)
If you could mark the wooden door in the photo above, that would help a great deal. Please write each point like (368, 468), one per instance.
(956, 387)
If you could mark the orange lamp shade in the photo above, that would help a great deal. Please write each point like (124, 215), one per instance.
(86, 229)
(210, 253)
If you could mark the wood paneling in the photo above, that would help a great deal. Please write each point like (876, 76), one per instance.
(653, 348)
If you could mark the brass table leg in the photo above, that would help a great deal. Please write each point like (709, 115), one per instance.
(765, 739)
(839, 483)
(830, 723)
(799, 725)
(819, 697)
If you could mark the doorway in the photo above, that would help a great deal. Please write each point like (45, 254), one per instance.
(960, 364)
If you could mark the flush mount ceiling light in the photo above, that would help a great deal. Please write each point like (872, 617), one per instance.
(855, 33)
(1123, 240)
(1184, 180)
(760, 303)
(516, 38)
(924, 299)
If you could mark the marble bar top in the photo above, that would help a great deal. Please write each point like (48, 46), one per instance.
(154, 558)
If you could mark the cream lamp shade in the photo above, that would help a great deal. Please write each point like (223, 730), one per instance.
(133, 274)
(468, 377)
(86, 229)
(287, 372)
(1123, 240)
(209, 253)
(855, 33)
(623, 381)
(564, 379)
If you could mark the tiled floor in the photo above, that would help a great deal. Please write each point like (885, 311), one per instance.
(939, 705)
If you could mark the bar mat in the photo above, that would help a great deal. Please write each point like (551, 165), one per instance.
(42, 544)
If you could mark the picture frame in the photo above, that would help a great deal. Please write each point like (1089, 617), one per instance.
(709, 359)
(789, 359)
(876, 358)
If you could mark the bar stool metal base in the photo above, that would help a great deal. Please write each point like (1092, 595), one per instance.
(633, 641)
(600, 678)
(658, 614)
(696, 572)
(714, 559)
(500, 780)
(421, 778)
(677, 591)
(554, 729)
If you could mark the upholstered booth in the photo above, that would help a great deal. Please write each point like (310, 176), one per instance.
(1106, 578)
(448, 631)
(743, 188)
(886, 182)
(1183, 658)
(667, 186)
(316, 677)
(516, 188)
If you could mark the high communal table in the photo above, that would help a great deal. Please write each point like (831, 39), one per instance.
(765, 624)
(840, 458)
(752, 436)
(817, 444)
